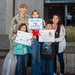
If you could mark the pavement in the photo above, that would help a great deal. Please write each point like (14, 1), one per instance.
(1, 63)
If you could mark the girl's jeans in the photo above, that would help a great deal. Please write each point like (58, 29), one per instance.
(36, 61)
(61, 60)
(21, 63)
(47, 67)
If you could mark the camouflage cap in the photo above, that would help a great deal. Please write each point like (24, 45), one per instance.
(22, 6)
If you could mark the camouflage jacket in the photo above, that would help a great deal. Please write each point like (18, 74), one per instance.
(16, 21)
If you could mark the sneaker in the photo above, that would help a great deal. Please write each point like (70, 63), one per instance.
(60, 74)
(55, 74)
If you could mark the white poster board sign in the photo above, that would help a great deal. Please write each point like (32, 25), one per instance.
(23, 38)
(35, 23)
(47, 35)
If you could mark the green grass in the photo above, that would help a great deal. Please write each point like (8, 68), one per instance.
(70, 34)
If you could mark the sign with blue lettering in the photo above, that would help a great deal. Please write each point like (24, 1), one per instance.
(35, 23)
(23, 38)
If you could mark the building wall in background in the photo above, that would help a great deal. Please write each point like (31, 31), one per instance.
(2, 16)
(6, 11)
(32, 5)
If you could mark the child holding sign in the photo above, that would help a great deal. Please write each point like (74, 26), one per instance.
(20, 50)
(36, 61)
(47, 55)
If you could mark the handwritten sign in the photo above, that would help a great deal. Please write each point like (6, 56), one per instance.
(35, 23)
(23, 38)
(47, 35)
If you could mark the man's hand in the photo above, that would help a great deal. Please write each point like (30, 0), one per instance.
(11, 47)
(15, 35)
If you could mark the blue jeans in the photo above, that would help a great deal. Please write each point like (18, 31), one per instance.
(47, 67)
(36, 61)
(60, 59)
(21, 63)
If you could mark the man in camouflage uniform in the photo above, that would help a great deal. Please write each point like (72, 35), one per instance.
(22, 17)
